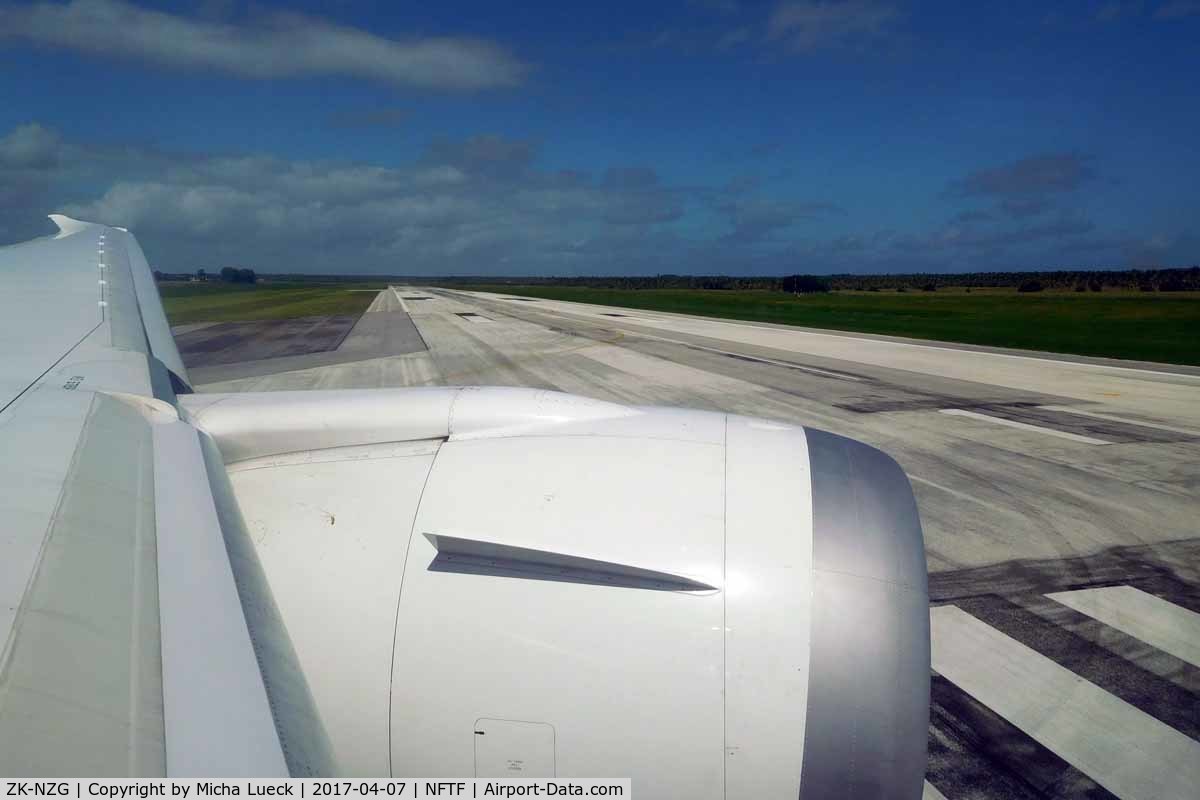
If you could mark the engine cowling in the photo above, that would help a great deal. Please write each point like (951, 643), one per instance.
(505, 582)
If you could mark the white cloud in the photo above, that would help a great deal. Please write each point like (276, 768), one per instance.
(30, 146)
(273, 45)
(755, 220)
(810, 25)
(1032, 176)
(467, 205)
(484, 205)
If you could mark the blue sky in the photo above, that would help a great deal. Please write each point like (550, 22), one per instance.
(703, 136)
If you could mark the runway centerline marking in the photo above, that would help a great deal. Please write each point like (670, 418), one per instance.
(1074, 437)
(761, 359)
(1123, 420)
(963, 495)
(664, 316)
(1146, 617)
(1116, 744)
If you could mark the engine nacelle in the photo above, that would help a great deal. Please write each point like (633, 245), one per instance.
(516, 583)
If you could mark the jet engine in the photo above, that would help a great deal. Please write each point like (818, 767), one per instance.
(521, 583)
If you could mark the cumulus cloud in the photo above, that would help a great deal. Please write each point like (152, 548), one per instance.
(1035, 175)
(485, 205)
(755, 220)
(269, 45)
(810, 25)
(489, 155)
(31, 147)
(992, 244)
(468, 205)
(800, 27)
(633, 195)
(1162, 249)
(30, 155)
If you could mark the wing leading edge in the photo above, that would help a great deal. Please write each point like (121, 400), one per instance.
(124, 641)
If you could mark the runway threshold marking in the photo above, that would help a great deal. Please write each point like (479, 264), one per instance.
(1074, 437)
(1146, 617)
(1121, 747)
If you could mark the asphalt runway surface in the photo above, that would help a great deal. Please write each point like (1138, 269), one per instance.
(226, 351)
(1060, 499)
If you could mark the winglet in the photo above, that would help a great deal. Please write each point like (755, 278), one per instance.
(66, 225)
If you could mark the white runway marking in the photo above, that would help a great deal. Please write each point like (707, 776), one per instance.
(930, 792)
(1157, 622)
(963, 495)
(403, 306)
(788, 364)
(1122, 748)
(1074, 437)
(667, 316)
(1114, 418)
(1169, 396)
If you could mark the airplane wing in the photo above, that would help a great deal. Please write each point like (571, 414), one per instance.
(441, 581)
(125, 645)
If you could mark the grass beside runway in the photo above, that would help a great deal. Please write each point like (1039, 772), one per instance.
(223, 302)
(1144, 326)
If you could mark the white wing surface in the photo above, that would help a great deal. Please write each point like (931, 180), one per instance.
(97, 677)
(444, 582)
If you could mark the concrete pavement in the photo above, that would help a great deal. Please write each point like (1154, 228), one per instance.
(1040, 480)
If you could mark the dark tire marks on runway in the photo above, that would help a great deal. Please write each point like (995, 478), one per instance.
(976, 753)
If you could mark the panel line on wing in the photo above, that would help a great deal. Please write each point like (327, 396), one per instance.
(49, 369)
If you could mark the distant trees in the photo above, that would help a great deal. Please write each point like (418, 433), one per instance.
(805, 284)
(1167, 280)
(1030, 286)
(235, 275)
(1173, 283)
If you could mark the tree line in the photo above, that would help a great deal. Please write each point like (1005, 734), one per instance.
(227, 275)
(1162, 280)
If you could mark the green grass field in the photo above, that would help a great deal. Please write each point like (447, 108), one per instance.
(1146, 326)
(223, 302)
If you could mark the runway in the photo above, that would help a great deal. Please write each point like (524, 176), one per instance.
(1059, 499)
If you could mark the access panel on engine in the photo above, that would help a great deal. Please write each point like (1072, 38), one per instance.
(506, 748)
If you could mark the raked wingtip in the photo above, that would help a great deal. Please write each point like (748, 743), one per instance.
(67, 225)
